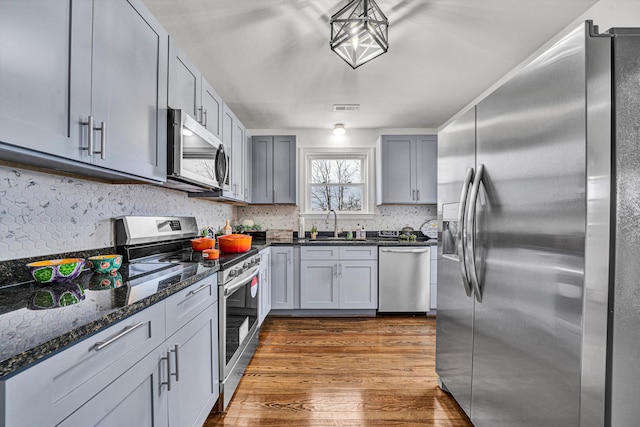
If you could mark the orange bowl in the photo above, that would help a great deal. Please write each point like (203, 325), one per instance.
(203, 243)
(234, 243)
(210, 254)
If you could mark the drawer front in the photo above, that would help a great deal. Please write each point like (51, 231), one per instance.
(359, 252)
(57, 386)
(185, 305)
(319, 252)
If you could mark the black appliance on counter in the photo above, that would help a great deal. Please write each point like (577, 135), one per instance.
(160, 248)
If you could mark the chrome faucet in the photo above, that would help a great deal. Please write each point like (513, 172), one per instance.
(335, 222)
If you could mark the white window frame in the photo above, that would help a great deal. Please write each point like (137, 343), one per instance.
(307, 154)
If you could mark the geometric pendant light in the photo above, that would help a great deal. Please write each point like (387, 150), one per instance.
(359, 32)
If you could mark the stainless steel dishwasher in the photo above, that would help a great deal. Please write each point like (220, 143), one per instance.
(403, 279)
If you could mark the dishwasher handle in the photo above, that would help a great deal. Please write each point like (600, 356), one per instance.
(404, 251)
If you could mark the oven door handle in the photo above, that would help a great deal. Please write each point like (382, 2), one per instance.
(231, 289)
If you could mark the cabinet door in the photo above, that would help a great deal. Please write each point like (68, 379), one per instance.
(281, 277)
(62, 383)
(43, 101)
(136, 398)
(265, 286)
(211, 113)
(238, 157)
(193, 355)
(358, 284)
(398, 169)
(262, 165)
(426, 169)
(319, 284)
(248, 165)
(129, 88)
(184, 82)
(284, 168)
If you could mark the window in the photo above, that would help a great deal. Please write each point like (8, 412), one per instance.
(336, 184)
(337, 180)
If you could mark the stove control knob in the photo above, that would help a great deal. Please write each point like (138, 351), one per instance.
(233, 273)
(246, 265)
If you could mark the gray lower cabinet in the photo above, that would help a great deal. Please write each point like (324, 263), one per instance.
(91, 100)
(282, 279)
(62, 383)
(273, 170)
(343, 277)
(136, 398)
(407, 169)
(193, 370)
(264, 298)
(128, 374)
(189, 91)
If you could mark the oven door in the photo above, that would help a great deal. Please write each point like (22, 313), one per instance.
(238, 317)
(192, 152)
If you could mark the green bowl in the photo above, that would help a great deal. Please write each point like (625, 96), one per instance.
(105, 263)
(56, 270)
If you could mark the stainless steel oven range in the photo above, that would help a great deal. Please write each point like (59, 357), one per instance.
(238, 290)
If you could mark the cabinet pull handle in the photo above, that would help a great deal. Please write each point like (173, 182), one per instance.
(168, 381)
(102, 344)
(89, 124)
(103, 140)
(413, 194)
(175, 350)
(340, 269)
(204, 117)
(418, 195)
(200, 289)
(201, 111)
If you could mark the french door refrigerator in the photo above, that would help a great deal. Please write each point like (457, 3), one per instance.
(539, 252)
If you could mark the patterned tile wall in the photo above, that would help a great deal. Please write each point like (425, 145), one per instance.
(42, 214)
(392, 217)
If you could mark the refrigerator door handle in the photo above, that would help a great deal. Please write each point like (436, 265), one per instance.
(461, 234)
(471, 241)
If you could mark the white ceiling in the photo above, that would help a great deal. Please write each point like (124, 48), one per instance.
(271, 63)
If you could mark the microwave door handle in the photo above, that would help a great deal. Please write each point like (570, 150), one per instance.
(462, 235)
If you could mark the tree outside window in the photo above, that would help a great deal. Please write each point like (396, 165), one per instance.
(336, 183)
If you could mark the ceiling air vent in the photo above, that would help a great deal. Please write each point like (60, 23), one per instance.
(346, 107)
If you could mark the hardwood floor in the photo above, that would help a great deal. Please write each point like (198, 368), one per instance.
(343, 372)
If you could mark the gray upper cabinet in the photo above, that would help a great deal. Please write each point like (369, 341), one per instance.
(407, 169)
(233, 136)
(191, 92)
(35, 105)
(274, 170)
(71, 69)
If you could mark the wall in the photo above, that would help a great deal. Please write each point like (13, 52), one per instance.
(386, 217)
(42, 214)
(605, 14)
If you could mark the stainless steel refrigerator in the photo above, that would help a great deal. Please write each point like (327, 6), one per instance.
(538, 318)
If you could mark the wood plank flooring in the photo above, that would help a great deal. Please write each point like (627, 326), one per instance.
(343, 372)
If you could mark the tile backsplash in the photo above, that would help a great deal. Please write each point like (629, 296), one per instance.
(387, 217)
(42, 214)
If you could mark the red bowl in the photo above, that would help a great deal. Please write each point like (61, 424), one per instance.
(234, 243)
(203, 243)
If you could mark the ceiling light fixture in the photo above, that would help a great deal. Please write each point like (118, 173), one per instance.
(359, 32)
(339, 129)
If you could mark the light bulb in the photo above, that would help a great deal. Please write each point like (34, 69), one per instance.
(187, 132)
(339, 129)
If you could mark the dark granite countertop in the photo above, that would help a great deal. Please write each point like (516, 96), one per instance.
(29, 333)
(323, 241)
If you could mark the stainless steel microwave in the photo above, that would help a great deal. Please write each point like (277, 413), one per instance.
(196, 159)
